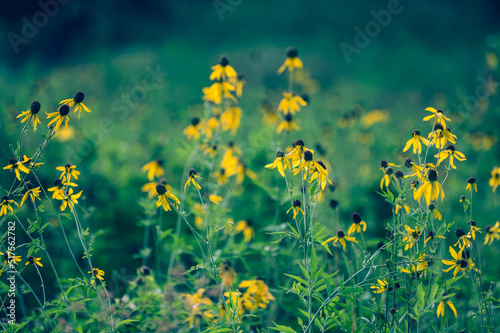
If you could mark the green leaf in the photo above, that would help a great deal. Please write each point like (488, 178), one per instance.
(301, 280)
(125, 322)
(282, 328)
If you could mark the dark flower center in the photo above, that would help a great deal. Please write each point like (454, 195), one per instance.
(322, 164)
(12, 161)
(430, 234)
(195, 121)
(416, 132)
(192, 172)
(79, 96)
(340, 234)
(432, 174)
(308, 156)
(451, 147)
(383, 163)
(459, 232)
(297, 203)
(463, 263)
(161, 189)
(4, 198)
(64, 110)
(35, 107)
(356, 218)
(292, 52)
(334, 204)
(399, 174)
(288, 117)
(389, 171)
(408, 162)
(280, 153)
(472, 223)
(223, 61)
(299, 142)
(471, 180)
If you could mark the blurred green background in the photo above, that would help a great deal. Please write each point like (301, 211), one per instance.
(430, 54)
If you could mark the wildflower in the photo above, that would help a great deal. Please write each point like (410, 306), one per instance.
(231, 119)
(413, 271)
(473, 229)
(430, 235)
(291, 103)
(150, 187)
(32, 192)
(492, 233)
(435, 212)
(15, 165)
(373, 117)
(451, 153)
(424, 262)
(334, 204)
(208, 126)
(216, 199)
(457, 263)
(412, 236)
(471, 182)
(270, 116)
(320, 173)
(463, 239)
(292, 60)
(30, 163)
(5, 204)
(68, 170)
(384, 164)
(211, 151)
(416, 141)
(440, 136)
(308, 163)
(234, 302)
(65, 134)
(222, 71)
(76, 103)
(240, 83)
(431, 189)
(227, 274)
(341, 237)
(10, 258)
(401, 205)
(192, 179)
(287, 124)
(59, 185)
(193, 130)
(297, 153)
(246, 227)
(382, 286)
(198, 208)
(217, 90)
(197, 306)
(154, 168)
(470, 263)
(356, 225)
(386, 180)
(440, 308)
(495, 178)
(163, 196)
(96, 273)
(60, 115)
(34, 261)
(280, 162)
(31, 114)
(221, 176)
(296, 208)
(463, 199)
(438, 114)
(69, 199)
(257, 294)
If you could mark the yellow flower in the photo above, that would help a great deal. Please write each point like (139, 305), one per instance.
(240, 83)
(193, 130)
(401, 205)
(15, 165)
(222, 71)
(68, 170)
(492, 233)
(382, 286)
(208, 126)
(473, 229)
(280, 163)
(386, 180)
(221, 176)
(451, 153)
(287, 124)
(431, 189)
(416, 141)
(296, 208)
(33, 193)
(440, 308)
(341, 237)
(463, 238)
(150, 188)
(154, 169)
(457, 263)
(414, 271)
(435, 212)
(270, 115)
(5, 204)
(357, 224)
(217, 90)
(231, 119)
(216, 199)
(297, 153)
(76, 103)
(31, 114)
(246, 227)
(412, 236)
(163, 196)
(197, 305)
(59, 186)
(227, 274)
(440, 136)
(438, 114)
(65, 134)
(34, 261)
(292, 60)
(60, 115)
(257, 294)
(471, 182)
(192, 179)
(495, 178)
(10, 258)
(69, 199)
(319, 172)
(291, 103)
(431, 235)
(96, 273)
